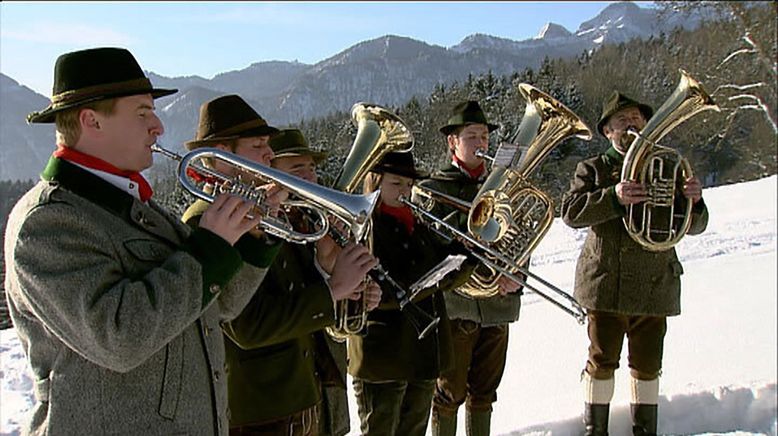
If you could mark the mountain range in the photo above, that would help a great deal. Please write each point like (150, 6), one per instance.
(388, 70)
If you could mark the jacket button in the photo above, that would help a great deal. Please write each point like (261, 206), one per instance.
(216, 375)
(214, 288)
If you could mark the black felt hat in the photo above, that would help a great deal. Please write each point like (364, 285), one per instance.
(91, 75)
(468, 112)
(401, 164)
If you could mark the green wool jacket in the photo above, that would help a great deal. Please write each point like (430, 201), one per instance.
(117, 305)
(614, 273)
(391, 350)
(486, 311)
(277, 358)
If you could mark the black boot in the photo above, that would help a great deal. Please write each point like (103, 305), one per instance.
(644, 418)
(596, 419)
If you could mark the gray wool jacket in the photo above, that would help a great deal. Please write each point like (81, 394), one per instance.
(117, 305)
(615, 273)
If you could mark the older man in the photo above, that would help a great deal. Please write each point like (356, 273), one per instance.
(626, 289)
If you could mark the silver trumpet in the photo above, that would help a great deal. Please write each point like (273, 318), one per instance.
(322, 202)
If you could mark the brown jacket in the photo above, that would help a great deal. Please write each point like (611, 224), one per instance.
(614, 273)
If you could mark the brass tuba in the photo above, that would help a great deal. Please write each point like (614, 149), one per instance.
(510, 214)
(353, 210)
(655, 224)
(379, 132)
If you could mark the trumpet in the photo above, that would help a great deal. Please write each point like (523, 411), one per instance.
(354, 210)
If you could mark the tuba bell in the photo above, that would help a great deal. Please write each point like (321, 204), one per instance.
(657, 224)
(379, 132)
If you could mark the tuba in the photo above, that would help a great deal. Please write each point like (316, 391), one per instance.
(509, 216)
(353, 210)
(656, 224)
(379, 132)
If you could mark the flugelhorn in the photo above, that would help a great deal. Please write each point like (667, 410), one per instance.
(655, 224)
(379, 131)
(354, 210)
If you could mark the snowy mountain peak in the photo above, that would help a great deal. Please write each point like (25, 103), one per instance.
(553, 30)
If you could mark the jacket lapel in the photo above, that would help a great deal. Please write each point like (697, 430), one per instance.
(114, 200)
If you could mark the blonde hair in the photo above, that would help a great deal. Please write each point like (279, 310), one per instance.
(371, 184)
(68, 125)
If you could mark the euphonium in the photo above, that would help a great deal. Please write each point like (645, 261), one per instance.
(353, 210)
(379, 132)
(656, 224)
(510, 214)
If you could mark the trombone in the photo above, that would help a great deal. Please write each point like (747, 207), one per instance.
(493, 258)
(354, 210)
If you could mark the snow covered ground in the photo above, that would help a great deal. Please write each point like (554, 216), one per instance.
(719, 373)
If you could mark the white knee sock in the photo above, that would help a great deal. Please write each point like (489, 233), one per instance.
(644, 391)
(597, 391)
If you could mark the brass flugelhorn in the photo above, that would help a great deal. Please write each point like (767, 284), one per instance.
(655, 224)
(353, 210)
(379, 131)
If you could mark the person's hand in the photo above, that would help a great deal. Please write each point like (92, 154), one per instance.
(629, 192)
(692, 188)
(351, 266)
(372, 295)
(275, 196)
(327, 253)
(226, 217)
(507, 286)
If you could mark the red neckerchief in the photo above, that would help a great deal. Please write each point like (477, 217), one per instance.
(75, 156)
(474, 173)
(402, 214)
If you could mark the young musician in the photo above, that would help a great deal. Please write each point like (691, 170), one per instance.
(479, 326)
(394, 371)
(113, 298)
(626, 289)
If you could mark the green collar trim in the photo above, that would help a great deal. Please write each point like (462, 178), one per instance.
(613, 157)
(87, 185)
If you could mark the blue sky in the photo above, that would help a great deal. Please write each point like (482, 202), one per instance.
(207, 38)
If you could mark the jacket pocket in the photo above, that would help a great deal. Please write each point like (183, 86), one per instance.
(171, 383)
(147, 250)
(677, 268)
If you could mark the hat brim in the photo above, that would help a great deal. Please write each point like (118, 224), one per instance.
(411, 174)
(49, 115)
(644, 109)
(257, 131)
(317, 156)
(449, 128)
